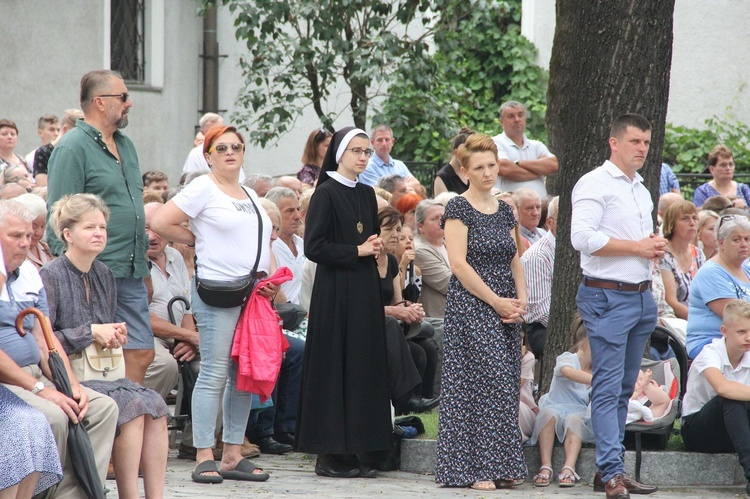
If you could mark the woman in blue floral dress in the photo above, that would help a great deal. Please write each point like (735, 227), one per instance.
(479, 441)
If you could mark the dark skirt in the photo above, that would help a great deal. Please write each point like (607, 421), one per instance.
(132, 399)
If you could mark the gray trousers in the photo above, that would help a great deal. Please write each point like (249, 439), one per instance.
(101, 423)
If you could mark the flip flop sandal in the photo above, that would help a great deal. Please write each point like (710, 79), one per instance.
(206, 467)
(244, 471)
(564, 475)
(546, 478)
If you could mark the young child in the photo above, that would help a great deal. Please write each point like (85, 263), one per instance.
(528, 409)
(716, 407)
(563, 410)
(649, 401)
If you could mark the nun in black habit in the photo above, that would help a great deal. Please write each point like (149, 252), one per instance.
(345, 403)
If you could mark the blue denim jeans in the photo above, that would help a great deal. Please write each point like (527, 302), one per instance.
(216, 329)
(619, 323)
(282, 417)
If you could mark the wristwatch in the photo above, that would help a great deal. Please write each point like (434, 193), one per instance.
(38, 387)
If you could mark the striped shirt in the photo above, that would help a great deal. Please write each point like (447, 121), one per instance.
(538, 262)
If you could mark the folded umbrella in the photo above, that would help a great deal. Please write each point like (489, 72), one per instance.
(186, 372)
(79, 444)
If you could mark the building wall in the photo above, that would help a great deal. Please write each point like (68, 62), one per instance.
(710, 61)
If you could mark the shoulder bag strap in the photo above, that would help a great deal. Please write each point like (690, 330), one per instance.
(260, 231)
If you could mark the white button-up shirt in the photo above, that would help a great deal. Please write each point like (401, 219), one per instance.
(285, 258)
(607, 204)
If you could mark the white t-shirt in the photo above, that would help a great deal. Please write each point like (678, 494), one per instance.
(285, 258)
(699, 390)
(226, 230)
(531, 150)
(196, 162)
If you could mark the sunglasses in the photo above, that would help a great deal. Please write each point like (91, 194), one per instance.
(222, 148)
(727, 218)
(123, 96)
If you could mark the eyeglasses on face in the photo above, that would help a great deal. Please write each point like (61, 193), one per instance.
(223, 148)
(123, 96)
(358, 151)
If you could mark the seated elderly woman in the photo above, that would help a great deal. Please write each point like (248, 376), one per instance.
(431, 256)
(411, 390)
(724, 277)
(721, 165)
(39, 253)
(82, 299)
(682, 259)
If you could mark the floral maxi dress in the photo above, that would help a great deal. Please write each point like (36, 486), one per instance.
(478, 433)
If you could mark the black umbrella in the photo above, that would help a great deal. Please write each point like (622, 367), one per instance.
(79, 444)
(186, 372)
(411, 290)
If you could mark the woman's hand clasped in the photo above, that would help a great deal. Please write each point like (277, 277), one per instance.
(113, 335)
(510, 310)
(372, 247)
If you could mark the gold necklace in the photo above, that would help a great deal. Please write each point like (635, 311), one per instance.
(489, 205)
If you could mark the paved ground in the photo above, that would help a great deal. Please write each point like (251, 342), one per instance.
(293, 476)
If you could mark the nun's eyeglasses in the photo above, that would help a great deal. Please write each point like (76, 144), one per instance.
(358, 151)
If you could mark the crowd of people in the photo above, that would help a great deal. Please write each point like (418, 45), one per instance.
(394, 303)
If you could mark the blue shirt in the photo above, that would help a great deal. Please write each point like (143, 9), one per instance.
(668, 180)
(377, 168)
(24, 289)
(711, 282)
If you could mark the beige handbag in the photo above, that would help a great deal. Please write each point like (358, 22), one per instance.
(98, 363)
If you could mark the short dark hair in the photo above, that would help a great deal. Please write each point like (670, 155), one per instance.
(47, 119)
(154, 176)
(461, 137)
(622, 122)
(389, 216)
(5, 123)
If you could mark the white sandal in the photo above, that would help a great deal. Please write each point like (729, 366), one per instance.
(572, 476)
(547, 478)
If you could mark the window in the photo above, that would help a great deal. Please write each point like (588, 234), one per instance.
(128, 50)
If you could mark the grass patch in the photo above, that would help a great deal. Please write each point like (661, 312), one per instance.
(430, 422)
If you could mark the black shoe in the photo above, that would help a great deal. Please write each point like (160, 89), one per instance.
(328, 465)
(284, 438)
(270, 446)
(418, 404)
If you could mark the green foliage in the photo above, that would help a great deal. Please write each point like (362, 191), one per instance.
(300, 51)
(686, 149)
(481, 60)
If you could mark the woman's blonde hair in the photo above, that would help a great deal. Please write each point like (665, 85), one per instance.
(475, 143)
(673, 213)
(69, 210)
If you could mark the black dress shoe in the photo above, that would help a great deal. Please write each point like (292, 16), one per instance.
(284, 438)
(270, 446)
(328, 465)
(418, 405)
(630, 483)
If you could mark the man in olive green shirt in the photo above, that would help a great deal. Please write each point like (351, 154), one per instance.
(96, 158)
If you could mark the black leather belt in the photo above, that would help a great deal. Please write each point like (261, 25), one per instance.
(616, 285)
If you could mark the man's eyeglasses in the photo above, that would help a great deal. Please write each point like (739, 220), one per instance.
(222, 148)
(358, 151)
(123, 96)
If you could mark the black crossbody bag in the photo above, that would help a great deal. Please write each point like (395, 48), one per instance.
(230, 294)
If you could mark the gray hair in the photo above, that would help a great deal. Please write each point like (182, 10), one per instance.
(33, 203)
(724, 229)
(270, 207)
(507, 104)
(444, 197)
(552, 207)
(12, 208)
(208, 120)
(420, 213)
(254, 179)
(277, 193)
(10, 175)
(389, 182)
(382, 127)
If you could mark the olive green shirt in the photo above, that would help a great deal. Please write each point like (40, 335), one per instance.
(82, 163)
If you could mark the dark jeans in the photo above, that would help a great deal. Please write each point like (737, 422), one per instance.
(282, 417)
(536, 334)
(721, 426)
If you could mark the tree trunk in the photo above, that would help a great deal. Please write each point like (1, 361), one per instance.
(608, 58)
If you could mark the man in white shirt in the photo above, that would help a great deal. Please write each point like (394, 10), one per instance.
(523, 162)
(289, 247)
(529, 213)
(612, 227)
(538, 263)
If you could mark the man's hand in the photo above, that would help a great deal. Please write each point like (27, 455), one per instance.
(80, 395)
(184, 352)
(69, 406)
(651, 247)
